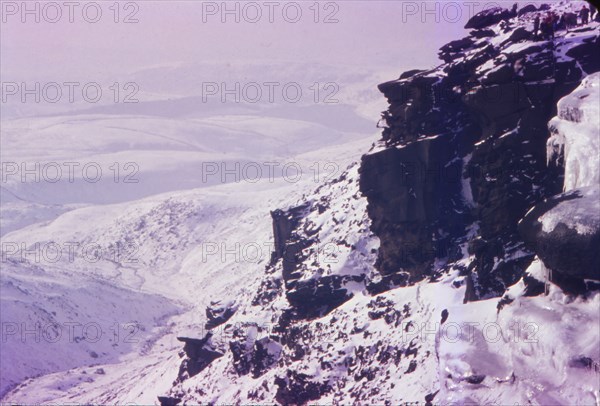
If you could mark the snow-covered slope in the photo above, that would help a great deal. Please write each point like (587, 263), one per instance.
(170, 253)
(178, 216)
(404, 345)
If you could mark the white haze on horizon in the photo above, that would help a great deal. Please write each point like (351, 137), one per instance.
(375, 34)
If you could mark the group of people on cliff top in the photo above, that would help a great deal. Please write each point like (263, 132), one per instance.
(552, 22)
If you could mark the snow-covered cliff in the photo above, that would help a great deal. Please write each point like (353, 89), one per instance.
(444, 267)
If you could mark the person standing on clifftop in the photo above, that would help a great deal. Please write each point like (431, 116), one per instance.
(585, 15)
(548, 26)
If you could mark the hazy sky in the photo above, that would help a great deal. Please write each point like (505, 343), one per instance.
(369, 33)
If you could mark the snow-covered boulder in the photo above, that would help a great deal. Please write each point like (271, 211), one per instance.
(565, 232)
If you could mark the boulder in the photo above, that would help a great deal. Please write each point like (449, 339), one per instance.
(298, 389)
(199, 354)
(458, 45)
(519, 34)
(168, 401)
(317, 297)
(488, 17)
(219, 312)
(410, 73)
(527, 9)
(255, 356)
(564, 231)
(266, 354)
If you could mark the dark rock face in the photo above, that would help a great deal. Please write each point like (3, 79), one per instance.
(529, 8)
(475, 379)
(466, 144)
(284, 222)
(316, 297)
(168, 401)
(218, 313)
(253, 356)
(410, 73)
(312, 296)
(564, 249)
(409, 188)
(483, 33)
(266, 354)
(503, 73)
(533, 286)
(447, 51)
(297, 389)
(412, 101)
(519, 34)
(508, 174)
(588, 53)
(199, 354)
(488, 17)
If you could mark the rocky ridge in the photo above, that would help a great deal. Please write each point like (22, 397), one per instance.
(427, 230)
